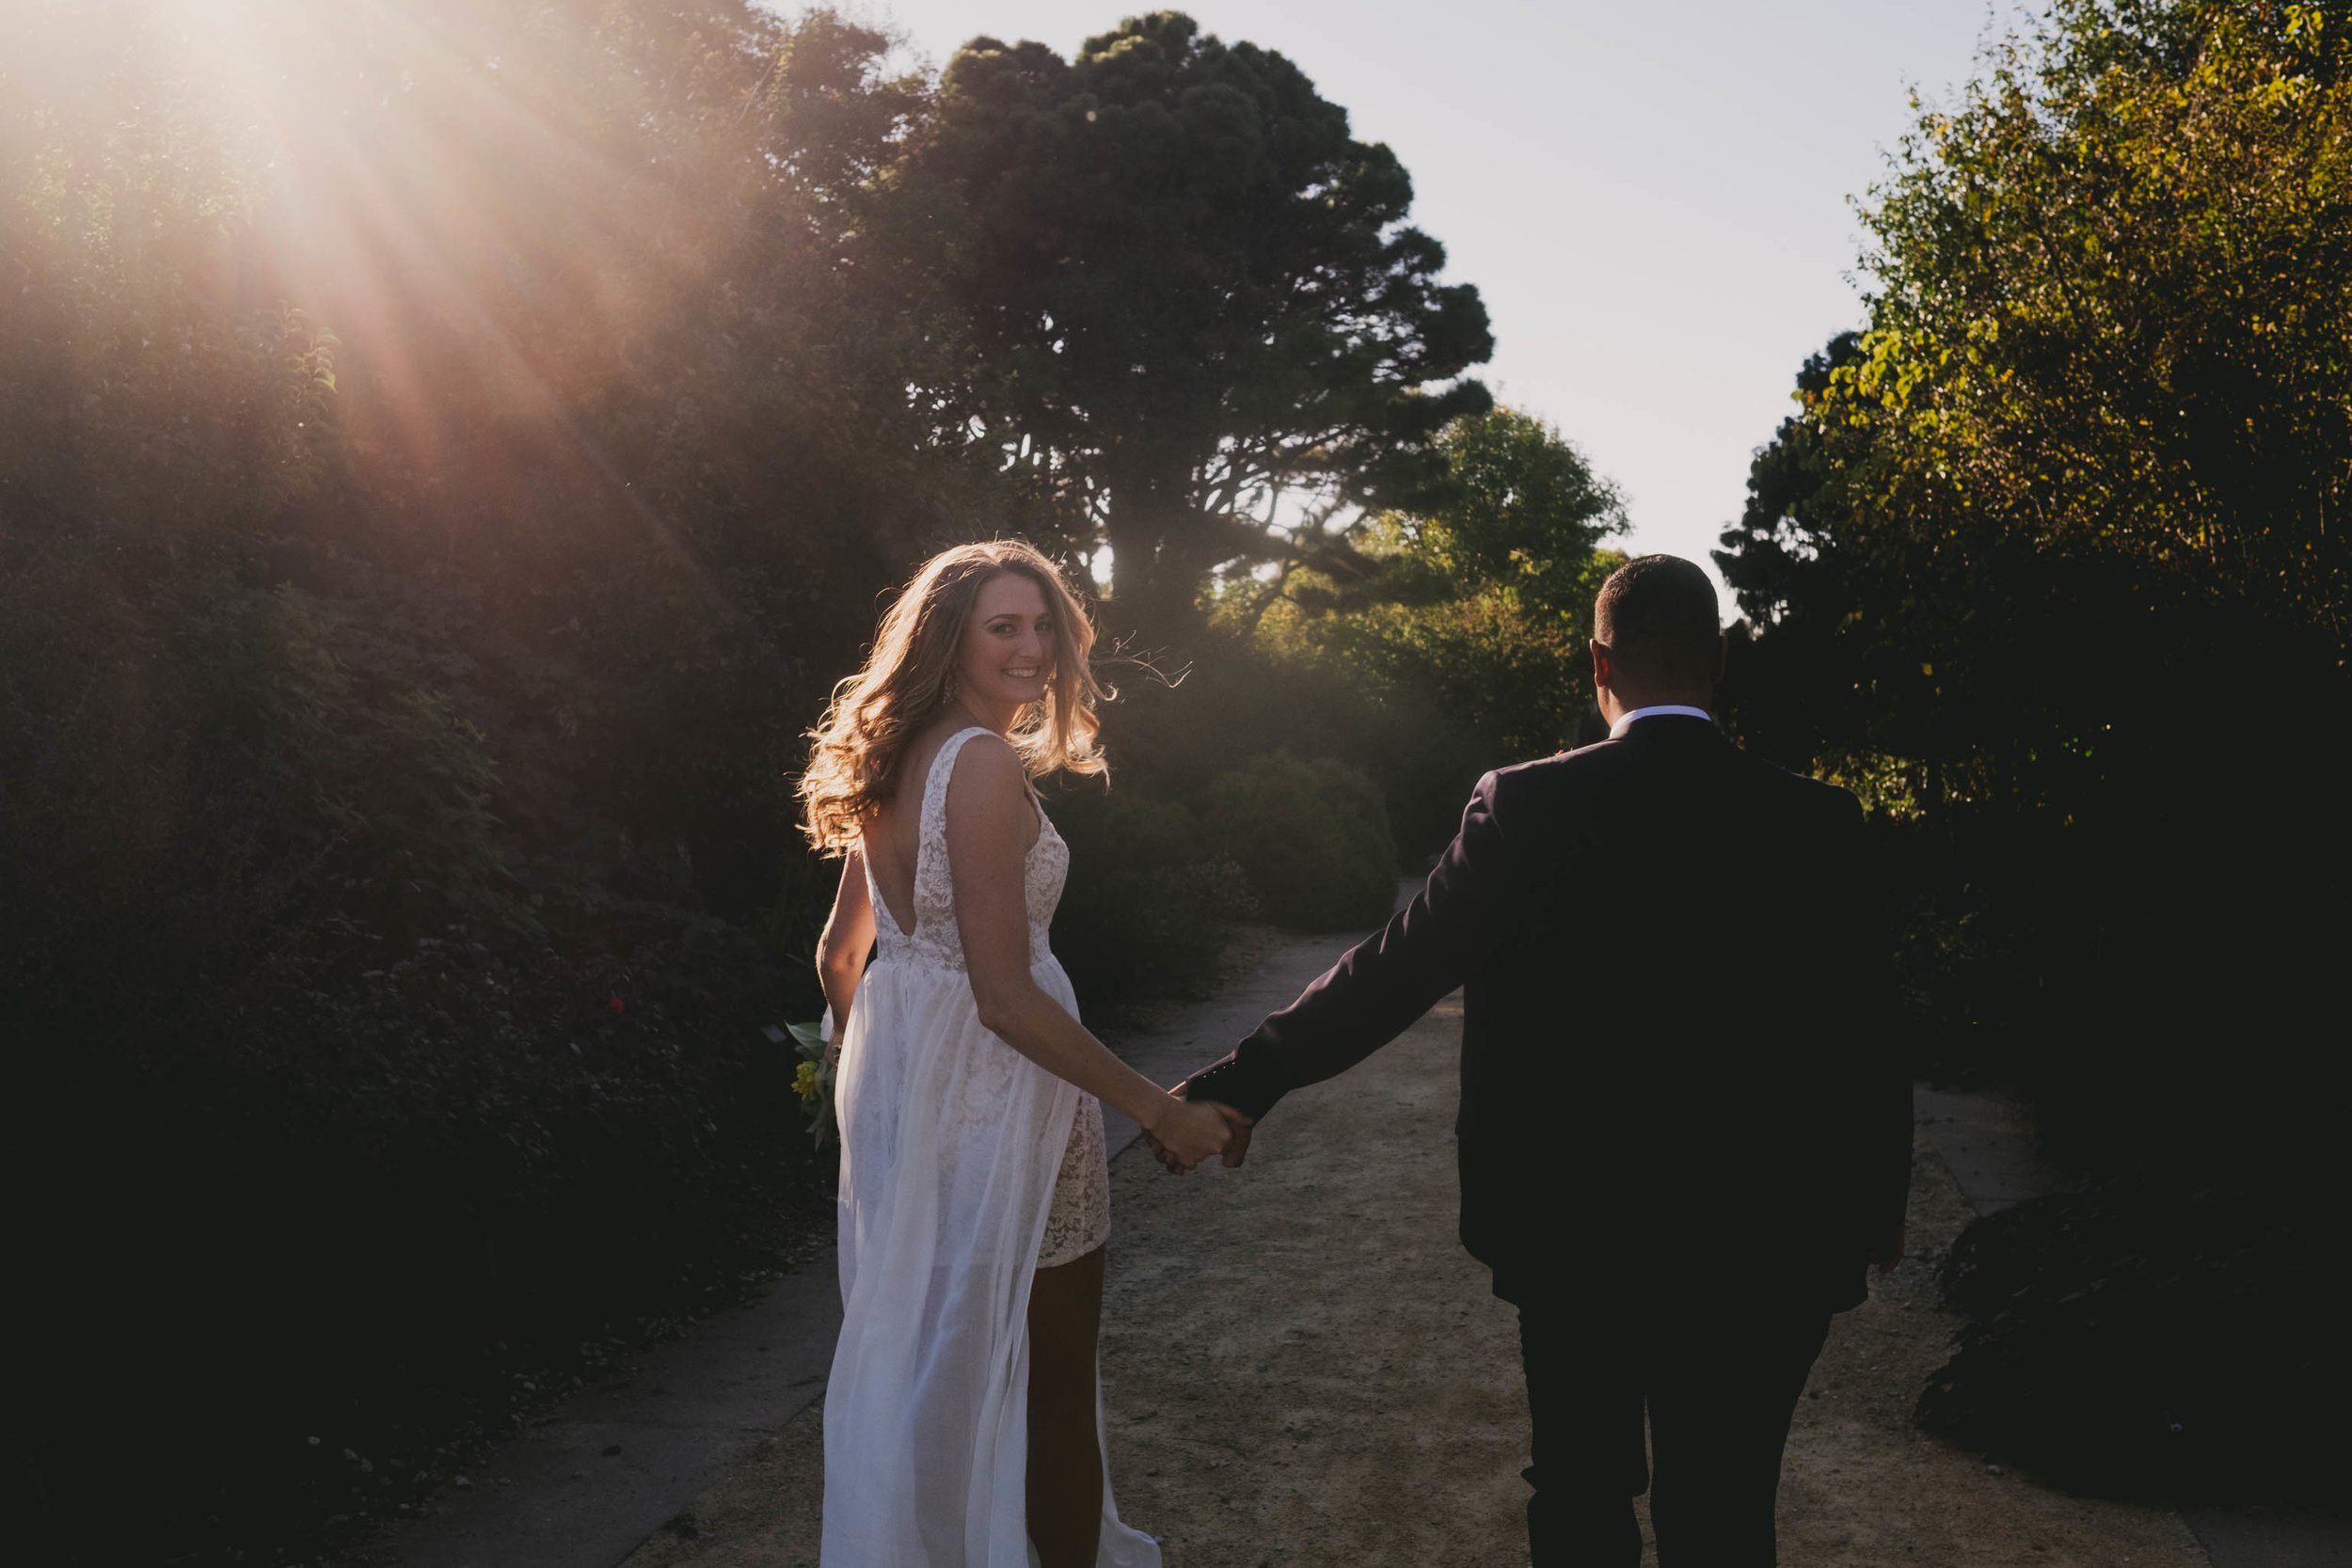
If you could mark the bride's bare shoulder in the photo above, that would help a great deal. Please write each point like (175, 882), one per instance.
(989, 793)
(986, 768)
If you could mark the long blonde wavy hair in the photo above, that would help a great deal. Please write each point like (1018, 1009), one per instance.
(860, 744)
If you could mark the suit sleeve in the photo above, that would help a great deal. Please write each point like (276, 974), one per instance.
(1383, 983)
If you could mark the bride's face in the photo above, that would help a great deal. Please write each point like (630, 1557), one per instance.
(1008, 651)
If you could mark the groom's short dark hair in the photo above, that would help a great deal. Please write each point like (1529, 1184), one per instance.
(1656, 615)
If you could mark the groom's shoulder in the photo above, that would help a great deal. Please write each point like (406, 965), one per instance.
(1576, 763)
(1561, 773)
(1571, 772)
(1827, 803)
(1560, 765)
(1520, 777)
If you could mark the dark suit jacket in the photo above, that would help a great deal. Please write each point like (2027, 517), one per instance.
(1676, 1049)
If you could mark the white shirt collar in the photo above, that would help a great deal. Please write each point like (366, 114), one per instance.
(1628, 720)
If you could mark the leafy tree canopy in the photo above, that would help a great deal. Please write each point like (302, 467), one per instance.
(2100, 423)
(1480, 608)
(1190, 290)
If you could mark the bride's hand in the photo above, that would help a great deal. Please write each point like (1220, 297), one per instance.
(1183, 1134)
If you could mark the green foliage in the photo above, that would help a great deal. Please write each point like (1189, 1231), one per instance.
(1479, 611)
(243, 758)
(1189, 289)
(2073, 491)
(1524, 513)
(2104, 396)
(413, 1181)
(1151, 899)
(2114, 312)
(1519, 686)
(1171, 736)
(2051, 564)
(133, 384)
(397, 781)
(1312, 837)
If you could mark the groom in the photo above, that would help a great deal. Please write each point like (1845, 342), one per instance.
(1685, 1127)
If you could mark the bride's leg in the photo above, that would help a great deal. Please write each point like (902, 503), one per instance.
(1065, 1455)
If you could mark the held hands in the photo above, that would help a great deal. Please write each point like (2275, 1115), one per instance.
(1184, 1134)
(1237, 1150)
(1189, 1131)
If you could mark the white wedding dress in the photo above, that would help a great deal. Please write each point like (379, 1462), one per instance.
(964, 1168)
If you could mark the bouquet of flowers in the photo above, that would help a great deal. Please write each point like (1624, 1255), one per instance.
(813, 1082)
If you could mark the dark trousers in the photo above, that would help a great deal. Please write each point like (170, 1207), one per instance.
(1718, 1387)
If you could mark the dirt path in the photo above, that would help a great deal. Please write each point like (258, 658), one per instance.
(1303, 1368)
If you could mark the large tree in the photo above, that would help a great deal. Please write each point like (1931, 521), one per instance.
(2096, 439)
(1190, 292)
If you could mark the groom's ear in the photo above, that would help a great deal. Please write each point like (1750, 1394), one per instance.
(1601, 663)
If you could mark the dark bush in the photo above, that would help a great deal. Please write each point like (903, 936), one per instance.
(1313, 838)
(383, 1195)
(2143, 1338)
(1172, 737)
(1149, 903)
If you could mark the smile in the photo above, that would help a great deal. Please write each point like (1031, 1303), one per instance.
(1021, 675)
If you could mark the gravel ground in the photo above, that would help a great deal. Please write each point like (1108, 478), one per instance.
(1302, 1366)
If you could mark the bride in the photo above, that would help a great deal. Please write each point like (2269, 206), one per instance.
(962, 1425)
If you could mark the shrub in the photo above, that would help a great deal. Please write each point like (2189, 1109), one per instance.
(1236, 701)
(417, 1102)
(1312, 836)
(403, 1184)
(1149, 906)
(2151, 1338)
(191, 758)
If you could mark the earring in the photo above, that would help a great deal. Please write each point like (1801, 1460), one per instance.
(948, 690)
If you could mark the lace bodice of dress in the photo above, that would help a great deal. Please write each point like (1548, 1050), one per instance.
(936, 943)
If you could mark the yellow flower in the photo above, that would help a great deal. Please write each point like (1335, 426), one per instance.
(805, 1082)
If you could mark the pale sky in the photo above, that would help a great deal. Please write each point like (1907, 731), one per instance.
(1652, 200)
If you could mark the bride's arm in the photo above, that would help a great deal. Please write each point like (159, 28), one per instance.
(849, 937)
(990, 823)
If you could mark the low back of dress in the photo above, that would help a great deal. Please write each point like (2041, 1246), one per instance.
(935, 941)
